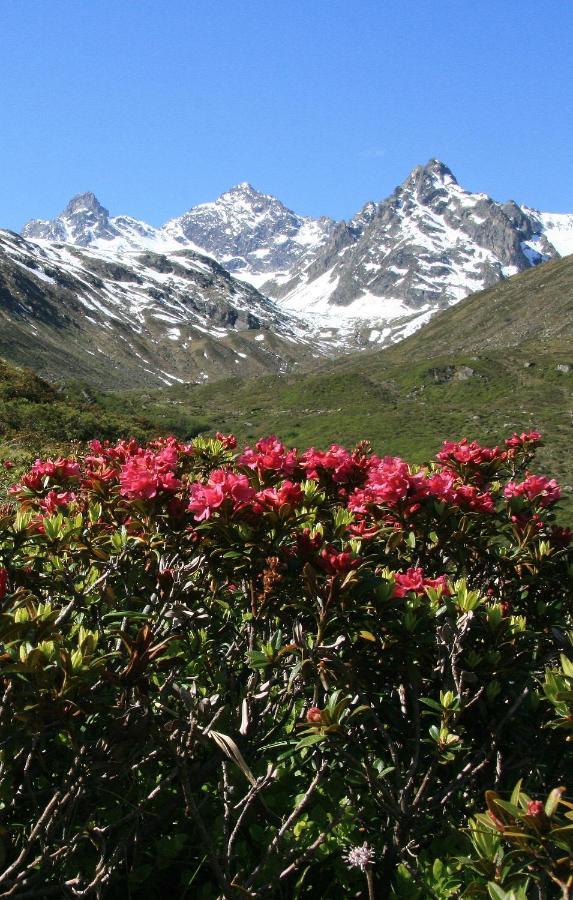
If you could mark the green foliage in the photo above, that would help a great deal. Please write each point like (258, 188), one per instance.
(239, 676)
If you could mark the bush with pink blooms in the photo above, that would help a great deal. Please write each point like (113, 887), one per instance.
(280, 674)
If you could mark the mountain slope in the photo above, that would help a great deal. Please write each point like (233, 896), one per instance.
(466, 373)
(370, 281)
(138, 318)
(423, 249)
(251, 234)
(35, 414)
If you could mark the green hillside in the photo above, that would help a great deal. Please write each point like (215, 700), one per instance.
(39, 418)
(500, 361)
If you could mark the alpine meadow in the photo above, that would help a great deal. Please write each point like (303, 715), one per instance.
(286, 482)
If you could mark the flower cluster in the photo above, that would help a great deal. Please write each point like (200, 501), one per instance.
(335, 625)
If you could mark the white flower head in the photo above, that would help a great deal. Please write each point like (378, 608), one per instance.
(360, 857)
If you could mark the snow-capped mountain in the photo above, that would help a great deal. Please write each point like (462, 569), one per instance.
(253, 235)
(135, 318)
(428, 245)
(373, 279)
(85, 222)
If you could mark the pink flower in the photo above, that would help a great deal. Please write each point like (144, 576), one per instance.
(53, 500)
(229, 441)
(314, 715)
(204, 499)
(469, 497)
(289, 494)
(439, 485)
(221, 486)
(414, 580)
(519, 440)
(145, 476)
(467, 453)
(338, 463)
(388, 483)
(269, 455)
(336, 563)
(535, 487)
(50, 470)
(536, 809)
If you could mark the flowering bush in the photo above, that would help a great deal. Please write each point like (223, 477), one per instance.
(269, 673)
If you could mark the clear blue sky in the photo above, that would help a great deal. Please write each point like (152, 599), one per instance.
(157, 106)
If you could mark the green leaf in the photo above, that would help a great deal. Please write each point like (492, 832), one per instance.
(310, 739)
(552, 801)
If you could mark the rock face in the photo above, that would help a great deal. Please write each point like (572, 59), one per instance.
(251, 234)
(425, 247)
(136, 318)
(83, 221)
(371, 280)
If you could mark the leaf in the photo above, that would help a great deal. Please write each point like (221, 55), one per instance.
(364, 707)
(567, 666)
(509, 808)
(516, 792)
(552, 801)
(230, 749)
(310, 739)
(496, 892)
(427, 701)
(367, 635)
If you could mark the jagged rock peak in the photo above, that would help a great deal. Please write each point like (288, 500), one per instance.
(435, 168)
(245, 193)
(83, 203)
(244, 187)
(435, 175)
(82, 221)
(427, 183)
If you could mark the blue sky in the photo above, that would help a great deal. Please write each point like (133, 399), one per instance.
(157, 106)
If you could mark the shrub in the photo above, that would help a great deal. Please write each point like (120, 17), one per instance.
(281, 674)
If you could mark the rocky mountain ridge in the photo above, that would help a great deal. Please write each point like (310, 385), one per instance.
(373, 279)
(137, 318)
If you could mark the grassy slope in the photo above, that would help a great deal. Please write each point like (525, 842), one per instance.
(37, 418)
(482, 369)
(405, 399)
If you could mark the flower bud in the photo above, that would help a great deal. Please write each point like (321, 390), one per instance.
(314, 715)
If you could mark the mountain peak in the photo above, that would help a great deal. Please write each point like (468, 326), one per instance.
(425, 182)
(244, 190)
(435, 168)
(82, 221)
(83, 203)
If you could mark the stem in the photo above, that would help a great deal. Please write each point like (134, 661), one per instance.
(370, 882)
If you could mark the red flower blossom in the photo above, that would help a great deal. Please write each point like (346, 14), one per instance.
(336, 563)
(3, 582)
(145, 476)
(467, 453)
(516, 441)
(338, 463)
(536, 809)
(229, 441)
(53, 500)
(414, 580)
(270, 455)
(388, 483)
(544, 490)
(288, 494)
(222, 485)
